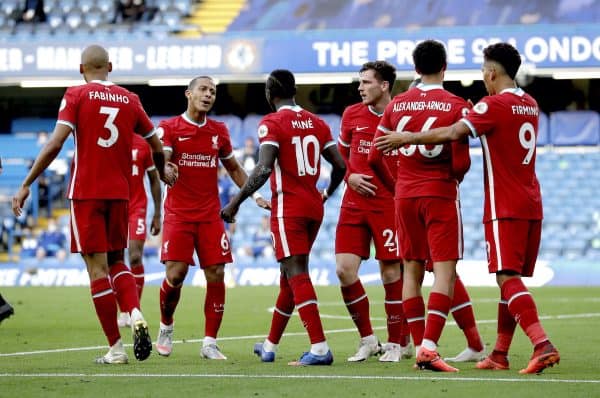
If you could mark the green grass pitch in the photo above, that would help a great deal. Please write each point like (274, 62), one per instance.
(47, 350)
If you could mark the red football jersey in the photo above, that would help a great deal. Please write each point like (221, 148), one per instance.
(103, 117)
(196, 149)
(507, 124)
(358, 127)
(142, 162)
(301, 137)
(424, 170)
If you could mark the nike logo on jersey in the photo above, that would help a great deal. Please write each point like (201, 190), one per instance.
(361, 128)
(184, 138)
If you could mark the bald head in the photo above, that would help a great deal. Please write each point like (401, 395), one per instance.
(95, 63)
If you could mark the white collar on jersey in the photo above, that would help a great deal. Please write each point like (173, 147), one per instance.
(374, 112)
(103, 82)
(514, 90)
(185, 117)
(295, 108)
(427, 87)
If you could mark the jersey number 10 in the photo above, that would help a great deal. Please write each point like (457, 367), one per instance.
(306, 165)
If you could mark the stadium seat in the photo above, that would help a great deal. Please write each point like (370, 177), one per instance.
(250, 126)
(333, 121)
(575, 128)
(234, 125)
(543, 136)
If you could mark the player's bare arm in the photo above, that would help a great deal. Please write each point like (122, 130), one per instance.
(171, 172)
(239, 176)
(48, 153)
(396, 139)
(159, 158)
(266, 159)
(332, 155)
(155, 190)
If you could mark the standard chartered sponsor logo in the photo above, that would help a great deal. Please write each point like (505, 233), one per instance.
(197, 160)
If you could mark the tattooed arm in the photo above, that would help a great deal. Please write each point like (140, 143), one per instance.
(266, 159)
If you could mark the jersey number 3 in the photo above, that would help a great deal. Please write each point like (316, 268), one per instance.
(109, 124)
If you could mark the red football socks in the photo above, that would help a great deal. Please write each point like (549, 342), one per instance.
(138, 273)
(124, 286)
(397, 327)
(414, 311)
(284, 308)
(106, 308)
(357, 302)
(438, 307)
(462, 311)
(305, 299)
(214, 306)
(522, 307)
(169, 298)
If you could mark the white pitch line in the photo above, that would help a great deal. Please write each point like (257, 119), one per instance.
(312, 377)
(262, 336)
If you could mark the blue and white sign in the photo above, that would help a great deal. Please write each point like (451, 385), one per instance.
(254, 54)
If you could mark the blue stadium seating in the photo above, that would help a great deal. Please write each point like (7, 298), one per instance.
(343, 14)
(575, 128)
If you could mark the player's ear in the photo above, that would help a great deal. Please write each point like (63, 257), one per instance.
(110, 66)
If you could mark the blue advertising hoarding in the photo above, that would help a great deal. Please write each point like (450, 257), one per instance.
(251, 55)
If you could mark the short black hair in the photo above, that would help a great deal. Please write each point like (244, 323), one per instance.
(429, 57)
(383, 71)
(281, 83)
(506, 55)
(194, 81)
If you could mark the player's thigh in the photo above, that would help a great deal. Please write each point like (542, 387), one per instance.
(293, 235)
(412, 235)
(212, 244)
(352, 234)
(178, 242)
(444, 228)
(508, 244)
(382, 226)
(137, 224)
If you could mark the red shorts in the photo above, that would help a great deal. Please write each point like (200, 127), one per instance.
(98, 225)
(209, 239)
(137, 224)
(512, 245)
(293, 235)
(429, 228)
(356, 228)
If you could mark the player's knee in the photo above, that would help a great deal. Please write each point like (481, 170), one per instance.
(215, 273)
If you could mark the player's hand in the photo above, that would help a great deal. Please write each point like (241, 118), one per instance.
(155, 226)
(361, 184)
(171, 173)
(394, 140)
(263, 203)
(228, 213)
(19, 200)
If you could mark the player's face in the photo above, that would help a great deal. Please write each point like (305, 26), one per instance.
(370, 89)
(202, 96)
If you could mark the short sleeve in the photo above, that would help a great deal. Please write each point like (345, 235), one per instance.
(67, 112)
(144, 126)
(225, 149)
(165, 134)
(345, 137)
(267, 133)
(480, 119)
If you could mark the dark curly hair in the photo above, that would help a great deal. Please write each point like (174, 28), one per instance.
(383, 71)
(506, 55)
(281, 83)
(429, 57)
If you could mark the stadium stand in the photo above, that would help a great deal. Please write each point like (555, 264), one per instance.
(341, 14)
(79, 19)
